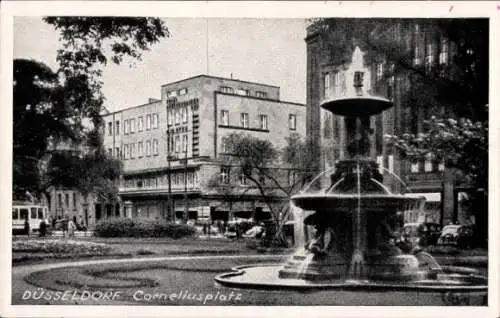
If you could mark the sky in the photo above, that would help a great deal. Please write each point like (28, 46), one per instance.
(269, 51)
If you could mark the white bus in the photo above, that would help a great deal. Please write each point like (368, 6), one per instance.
(32, 212)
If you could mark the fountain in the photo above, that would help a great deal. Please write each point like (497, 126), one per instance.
(355, 216)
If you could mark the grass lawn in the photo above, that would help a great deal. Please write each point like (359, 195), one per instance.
(128, 247)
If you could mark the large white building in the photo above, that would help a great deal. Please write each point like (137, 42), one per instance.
(189, 123)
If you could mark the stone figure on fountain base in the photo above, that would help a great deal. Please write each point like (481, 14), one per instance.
(322, 241)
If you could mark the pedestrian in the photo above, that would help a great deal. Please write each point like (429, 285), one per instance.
(43, 228)
(26, 226)
(71, 228)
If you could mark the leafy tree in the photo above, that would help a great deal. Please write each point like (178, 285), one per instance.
(460, 144)
(40, 115)
(274, 175)
(50, 107)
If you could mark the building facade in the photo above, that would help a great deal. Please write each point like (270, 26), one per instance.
(170, 147)
(327, 77)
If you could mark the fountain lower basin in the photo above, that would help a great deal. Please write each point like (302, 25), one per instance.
(454, 286)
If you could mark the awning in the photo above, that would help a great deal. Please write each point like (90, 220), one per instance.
(429, 196)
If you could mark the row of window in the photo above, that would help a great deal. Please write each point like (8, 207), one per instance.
(129, 124)
(178, 115)
(189, 178)
(243, 92)
(178, 143)
(178, 92)
(150, 147)
(151, 123)
(263, 120)
(334, 83)
(66, 200)
(428, 165)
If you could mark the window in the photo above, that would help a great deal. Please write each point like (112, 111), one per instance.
(380, 162)
(140, 123)
(66, 200)
(110, 128)
(261, 94)
(110, 152)
(117, 127)
(390, 165)
(414, 168)
(132, 150)
(59, 199)
(244, 120)
(225, 174)
(416, 59)
(380, 71)
(292, 122)
(155, 121)
(171, 144)
(183, 91)
(184, 115)
(33, 212)
(117, 152)
(125, 127)
(428, 163)
(263, 121)
(155, 147)
(326, 82)
(132, 126)
(443, 54)
(170, 115)
(224, 117)
(15, 214)
(177, 144)
(148, 148)
(336, 82)
(243, 179)
(171, 94)
(223, 147)
(184, 143)
(429, 57)
(243, 92)
(140, 149)
(227, 90)
(148, 122)
(125, 152)
(177, 116)
(441, 166)
(40, 213)
(74, 200)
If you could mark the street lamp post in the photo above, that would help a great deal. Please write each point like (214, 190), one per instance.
(186, 210)
(170, 213)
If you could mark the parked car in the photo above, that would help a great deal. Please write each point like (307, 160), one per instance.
(255, 232)
(423, 234)
(456, 234)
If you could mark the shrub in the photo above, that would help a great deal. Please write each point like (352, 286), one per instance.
(60, 247)
(142, 228)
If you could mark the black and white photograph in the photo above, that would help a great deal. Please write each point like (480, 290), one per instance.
(315, 159)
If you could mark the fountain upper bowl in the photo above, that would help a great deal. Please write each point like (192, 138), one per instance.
(357, 106)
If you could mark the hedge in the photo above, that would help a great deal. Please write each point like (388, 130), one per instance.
(142, 228)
